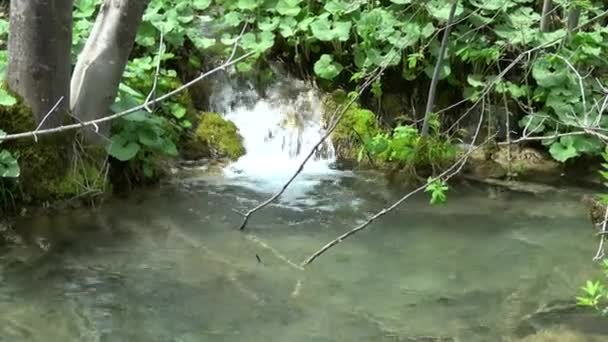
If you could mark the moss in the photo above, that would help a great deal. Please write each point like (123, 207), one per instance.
(45, 172)
(220, 136)
(357, 125)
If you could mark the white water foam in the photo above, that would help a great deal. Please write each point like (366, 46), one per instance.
(279, 131)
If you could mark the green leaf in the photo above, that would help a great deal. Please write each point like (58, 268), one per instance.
(289, 7)
(9, 167)
(201, 4)
(326, 68)
(178, 110)
(247, 4)
(6, 99)
(562, 153)
(440, 9)
(401, 2)
(148, 137)
(122, 149)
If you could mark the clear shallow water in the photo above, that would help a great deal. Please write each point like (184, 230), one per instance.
(169, 265)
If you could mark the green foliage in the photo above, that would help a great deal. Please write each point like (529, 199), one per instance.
(437, 188)
(9, 168)
(404, 146)
(141, 136)
(594, 294)
(220, 136)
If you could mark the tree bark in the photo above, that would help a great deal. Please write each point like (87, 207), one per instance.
(102, 62)
(39, 65)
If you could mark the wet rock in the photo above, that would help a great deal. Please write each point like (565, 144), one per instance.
(565, 314)
(597, 210)
(522, 160)
(502, 161)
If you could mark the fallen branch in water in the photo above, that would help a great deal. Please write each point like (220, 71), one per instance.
(445, 175)
(336, 116)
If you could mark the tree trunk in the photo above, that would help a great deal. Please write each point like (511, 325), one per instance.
(102, 62)
(39, 65)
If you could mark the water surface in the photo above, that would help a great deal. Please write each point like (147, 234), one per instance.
(169, 265)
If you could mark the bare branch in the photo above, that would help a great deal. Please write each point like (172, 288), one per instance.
(161, 51)
(334, 121)
(49, 113)
(185, 86)
(600, 251)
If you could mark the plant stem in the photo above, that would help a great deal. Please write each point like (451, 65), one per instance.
(430, 103)
(544, 19)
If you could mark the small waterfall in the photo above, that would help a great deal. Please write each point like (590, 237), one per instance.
(279, 129)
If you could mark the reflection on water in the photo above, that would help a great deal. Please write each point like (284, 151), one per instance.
(171, 266)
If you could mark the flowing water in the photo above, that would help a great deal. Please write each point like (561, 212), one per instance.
(169, 264)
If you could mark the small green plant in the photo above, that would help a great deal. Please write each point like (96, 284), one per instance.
(438, 189)
(404, 146)
(9, 167)
(594, 293)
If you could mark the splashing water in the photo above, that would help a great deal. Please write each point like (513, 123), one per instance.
(279, 131)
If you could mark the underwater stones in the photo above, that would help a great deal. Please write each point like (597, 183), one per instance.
(218, 137)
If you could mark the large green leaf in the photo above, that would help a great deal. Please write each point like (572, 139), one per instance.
(201, 4)
(289, 7)
(561, 152)
(9, 167)
(247, 4)
(327, 68)
(122, 148)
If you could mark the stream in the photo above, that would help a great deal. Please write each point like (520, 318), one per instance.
(169, 264)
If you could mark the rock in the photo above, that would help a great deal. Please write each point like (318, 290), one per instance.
(597, 210)
(217, 137)
(525, 160)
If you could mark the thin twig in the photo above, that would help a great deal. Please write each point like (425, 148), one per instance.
(152, 93)
(445, 175)
(35, 133)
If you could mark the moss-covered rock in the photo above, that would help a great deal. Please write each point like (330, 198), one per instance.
(357, 125)
(219, 137)
(50, 167)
